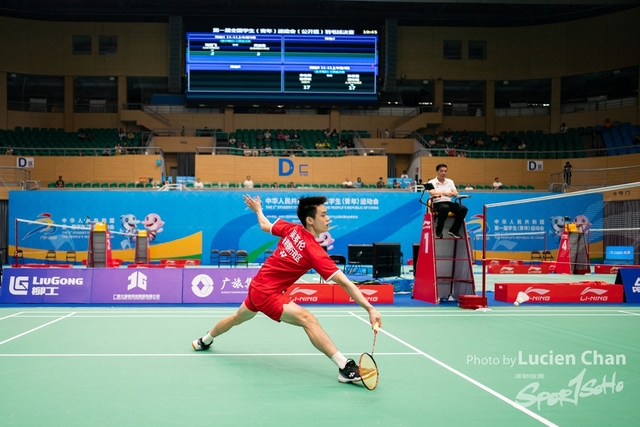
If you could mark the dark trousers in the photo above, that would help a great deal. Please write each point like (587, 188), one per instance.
(443, 209)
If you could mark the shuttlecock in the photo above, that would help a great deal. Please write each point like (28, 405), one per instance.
(522, 297)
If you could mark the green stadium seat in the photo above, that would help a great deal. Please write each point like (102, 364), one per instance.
(104, 185)
(122, 185)
(86, 185)
(51, 185)
(131, 185)
(69, 185)
(77, 185)
(113, 185)
(95, 185)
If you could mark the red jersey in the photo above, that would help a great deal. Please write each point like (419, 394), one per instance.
(297, 253)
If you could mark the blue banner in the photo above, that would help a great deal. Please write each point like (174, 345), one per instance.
(189, 224)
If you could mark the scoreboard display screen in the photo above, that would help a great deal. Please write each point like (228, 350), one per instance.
(282, 65)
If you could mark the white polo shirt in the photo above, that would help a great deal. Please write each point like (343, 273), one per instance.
(443, 187)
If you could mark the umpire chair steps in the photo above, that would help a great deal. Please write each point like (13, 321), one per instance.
(444, 270)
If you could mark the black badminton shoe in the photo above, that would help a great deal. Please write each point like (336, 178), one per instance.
(350, 373)
(455, 235)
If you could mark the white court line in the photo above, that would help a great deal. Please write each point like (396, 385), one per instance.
(193, 354)
(35, 329)
(14, 314)
(621, 311)
(471, 380)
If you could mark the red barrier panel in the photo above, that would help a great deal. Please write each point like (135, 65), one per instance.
(45, 266)
(610, 269)
(595, 292)
(505, 262)
(518, 269)
(375, 294)
(306, 293)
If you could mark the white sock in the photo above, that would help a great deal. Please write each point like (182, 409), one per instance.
(339, 360)
(207, 339)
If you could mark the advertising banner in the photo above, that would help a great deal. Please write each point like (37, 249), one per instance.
(630, 279)
(518, 269)
(137, 286)
(375, 294)
(216, 285)
(592, 292)
(45, 285)
(307, 293)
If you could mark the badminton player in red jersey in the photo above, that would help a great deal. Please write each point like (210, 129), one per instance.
(297, 253)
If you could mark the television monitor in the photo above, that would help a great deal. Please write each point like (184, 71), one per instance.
(386, 260)
(365, 251)
(253, 65)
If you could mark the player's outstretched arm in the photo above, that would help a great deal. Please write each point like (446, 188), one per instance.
(256, 205)
(341, 279)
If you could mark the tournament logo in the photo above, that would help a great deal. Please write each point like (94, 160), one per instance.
(202, 285)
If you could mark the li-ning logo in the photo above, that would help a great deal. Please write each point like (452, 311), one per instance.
(202, 285)
(541, 294)
(506, 270)
(137, 280)
(309, 295)
(534, 270)
(369, 294)
(307, 292)
(19, 285)
(599, 295)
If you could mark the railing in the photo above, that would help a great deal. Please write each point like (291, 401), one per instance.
(149, 109)
(390, 111)
(472, 110)
(595, 178)
(85, 151)
(526, 111)
(579, 107)
(89, 108)
(254, 152)
(35, 107)
(483, 154)
(14, 176)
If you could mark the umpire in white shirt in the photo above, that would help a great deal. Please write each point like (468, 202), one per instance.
(442, 189)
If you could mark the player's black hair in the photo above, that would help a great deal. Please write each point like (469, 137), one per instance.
(307, 207)
(441, 165)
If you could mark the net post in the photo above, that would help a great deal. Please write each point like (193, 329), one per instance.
(484, 249)
(15, 248)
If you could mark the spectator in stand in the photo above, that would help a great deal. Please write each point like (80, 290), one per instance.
(607, 124)
(327, 133)
(319, 145)
(280, 136)
(522, 146)
(448, 139)
(118, 149)
(254, 152)
(232, 140)
(9, 151)
(468, 187)
(404, 175)
(396, 183)
(267, 149)
(431, 141)
(494, 138)
(122, 135)
(347, 183)
(131, 137)
(274, 185)
(505, 147)
(267, 136)
(82, 136)
(567, 173)
(291, 185)
(60, 182)
(248, 183)
(563, 128)
(497, 185)
(198, 184)
(386, 133)
(358, 183)
(295, 136)
(380, 183)
(480, 142)
(334, 133)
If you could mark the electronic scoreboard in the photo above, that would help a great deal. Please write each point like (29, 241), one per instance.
(282, 65)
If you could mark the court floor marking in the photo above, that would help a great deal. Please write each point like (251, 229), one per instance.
(14, 314)
(465, 377)
(192, 354)
(36, 328)
(629, 312)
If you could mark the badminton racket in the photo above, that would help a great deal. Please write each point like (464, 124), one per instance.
(367, 364)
